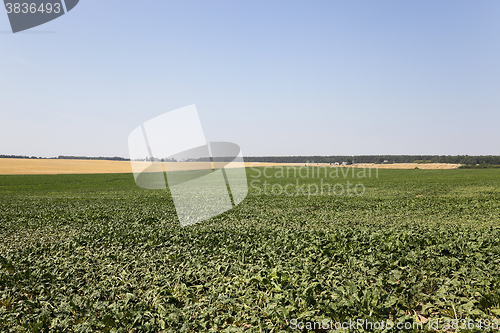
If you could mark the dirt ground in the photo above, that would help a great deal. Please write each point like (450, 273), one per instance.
(14, 166)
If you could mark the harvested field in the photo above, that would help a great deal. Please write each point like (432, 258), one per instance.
(427, 166)
(400, 166)
(15, 166)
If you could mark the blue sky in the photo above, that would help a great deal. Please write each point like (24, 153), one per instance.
(275, 77)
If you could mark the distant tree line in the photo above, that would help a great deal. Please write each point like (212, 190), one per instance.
(458, 159)
(17, 156)
(116, 158)
(20, 156)
(155, 159)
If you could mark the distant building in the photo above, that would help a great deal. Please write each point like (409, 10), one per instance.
(386, 161)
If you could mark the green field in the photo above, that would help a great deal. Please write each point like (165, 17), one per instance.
(96, 253)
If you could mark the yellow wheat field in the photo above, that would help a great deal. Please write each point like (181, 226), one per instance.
(366, 165)
(14, 166)
(409, 166)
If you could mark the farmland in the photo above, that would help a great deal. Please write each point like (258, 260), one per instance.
(24, 166)
(96, 253)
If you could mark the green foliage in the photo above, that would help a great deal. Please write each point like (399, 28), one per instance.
(422, 161)
(95, 253)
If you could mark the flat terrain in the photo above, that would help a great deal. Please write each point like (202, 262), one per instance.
(13, 166)
(96, 253)
(426, 166)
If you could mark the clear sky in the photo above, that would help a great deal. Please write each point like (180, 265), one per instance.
(275, 77)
